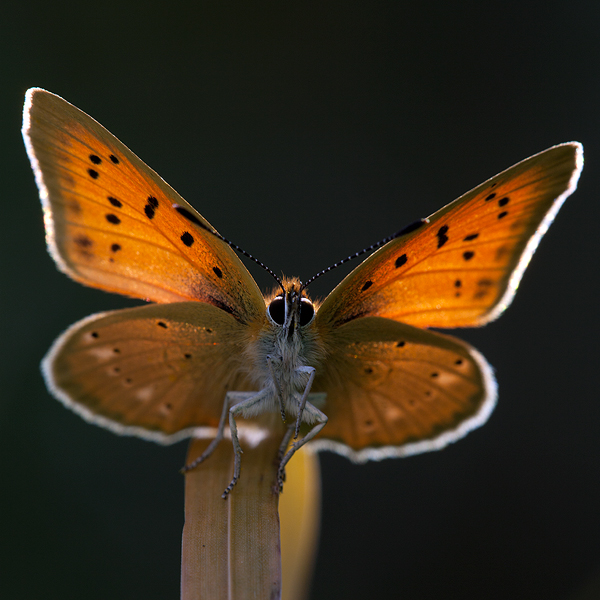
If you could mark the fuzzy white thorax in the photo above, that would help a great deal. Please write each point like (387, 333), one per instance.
(279, 355)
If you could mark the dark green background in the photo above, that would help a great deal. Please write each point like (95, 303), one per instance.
(305, 131)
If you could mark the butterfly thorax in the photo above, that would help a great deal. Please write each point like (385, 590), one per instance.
(286, 343)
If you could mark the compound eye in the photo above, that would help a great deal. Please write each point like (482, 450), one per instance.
(307, 311)
(277, 310)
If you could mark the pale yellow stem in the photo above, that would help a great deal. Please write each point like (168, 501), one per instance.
(231, 548)
(300, 516)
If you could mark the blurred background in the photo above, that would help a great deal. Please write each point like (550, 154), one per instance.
(305, 132)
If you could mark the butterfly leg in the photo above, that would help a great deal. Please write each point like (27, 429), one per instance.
(211, 447)
(313, 414)
(311, 378)
(243, 408)
(283, 447)
(279, 394)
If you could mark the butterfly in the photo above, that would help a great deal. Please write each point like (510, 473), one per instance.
(359, 373)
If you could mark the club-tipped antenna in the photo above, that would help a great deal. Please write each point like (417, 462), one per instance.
(192, 217)
(408, 229)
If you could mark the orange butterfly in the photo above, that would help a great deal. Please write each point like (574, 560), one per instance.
(359, 369)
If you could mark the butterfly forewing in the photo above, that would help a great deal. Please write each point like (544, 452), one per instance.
(157, 371)
(462, 266)
(397, 389)
(113, 223)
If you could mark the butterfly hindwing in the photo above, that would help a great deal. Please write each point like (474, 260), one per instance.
(113, 223)
(156, 371)
(461, 267)
(393, 389)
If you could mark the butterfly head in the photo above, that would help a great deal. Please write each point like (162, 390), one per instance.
(291, 309)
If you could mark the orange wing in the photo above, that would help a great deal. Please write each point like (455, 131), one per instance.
(159, 372)
(395, 390)
(113, 223)
(461, 267)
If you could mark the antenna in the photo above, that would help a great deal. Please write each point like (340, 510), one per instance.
(190, 216)
(406, 230)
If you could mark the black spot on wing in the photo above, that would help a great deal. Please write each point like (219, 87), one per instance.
(151, 206)
(468, 255)
(503, 201)
(471, 237)
(366, 286)
(116, 203)
(83, 241)
(483, 289)
(218, 272)
(503, 214)
(113, 219)
(412, 227)
(95, 159)
(114, 159)
(441, 235)
(115, 247)
(84, 244)
(491, 197)
(190, 216)
(93, 174)
(187, 238)
(401, 260)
